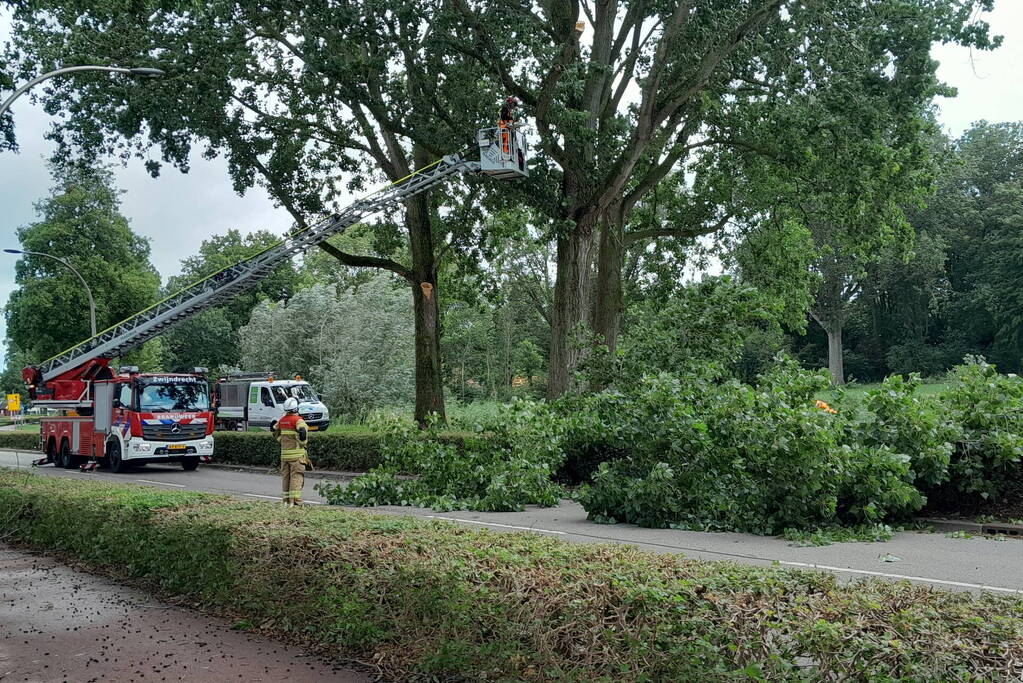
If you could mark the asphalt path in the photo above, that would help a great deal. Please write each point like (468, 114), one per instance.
(937, 559)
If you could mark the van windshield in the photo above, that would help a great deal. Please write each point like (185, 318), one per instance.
(172, 396)
(300, 391)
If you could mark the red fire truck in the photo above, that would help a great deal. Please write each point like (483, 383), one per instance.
(126, 417)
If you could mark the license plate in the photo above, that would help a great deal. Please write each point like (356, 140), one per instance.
(177, 448)
(313, 428)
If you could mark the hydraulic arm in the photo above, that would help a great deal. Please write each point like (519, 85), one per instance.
(221, 286)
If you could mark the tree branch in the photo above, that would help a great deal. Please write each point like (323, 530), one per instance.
(679, 233)
(357, 261)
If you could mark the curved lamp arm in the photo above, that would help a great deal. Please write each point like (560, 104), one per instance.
(88, 291)
(144, 72)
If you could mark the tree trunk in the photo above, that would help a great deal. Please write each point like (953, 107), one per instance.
(429, 379)
(569, 310)
(607, 298)
(835, 364)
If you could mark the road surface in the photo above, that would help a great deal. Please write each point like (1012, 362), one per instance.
(57, 624)
(936, 559)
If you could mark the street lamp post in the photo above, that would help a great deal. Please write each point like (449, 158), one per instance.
(143, 72)
(88, 292)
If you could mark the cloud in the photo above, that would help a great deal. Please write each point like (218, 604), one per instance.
(989, 83)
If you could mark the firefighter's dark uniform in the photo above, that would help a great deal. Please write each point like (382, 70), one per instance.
(292, 433)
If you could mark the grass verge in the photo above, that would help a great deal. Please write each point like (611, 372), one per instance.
(434, 600)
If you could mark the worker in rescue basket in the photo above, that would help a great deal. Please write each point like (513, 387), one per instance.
(292, 433)
(506, 121)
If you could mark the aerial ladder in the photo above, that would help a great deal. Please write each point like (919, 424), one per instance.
(64, 380)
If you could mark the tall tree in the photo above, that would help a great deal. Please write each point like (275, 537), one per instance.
(645, 86)
(304, 98)
(81, 222)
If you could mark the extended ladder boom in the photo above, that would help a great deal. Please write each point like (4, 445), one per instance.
(219, 287)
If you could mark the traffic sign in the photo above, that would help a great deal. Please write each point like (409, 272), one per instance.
(14, 402)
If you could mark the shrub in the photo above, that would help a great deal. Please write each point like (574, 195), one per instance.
(435, 601)
(918, 427)
(28, 441)
(352, 452)
(988, 407)
(701, 452)
(504, 468)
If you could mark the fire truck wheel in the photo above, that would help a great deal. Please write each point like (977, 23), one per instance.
(189, 464)
(67, 461)
(117, 463)
(51, 452)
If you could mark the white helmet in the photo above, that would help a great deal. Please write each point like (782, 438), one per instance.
(291, 405)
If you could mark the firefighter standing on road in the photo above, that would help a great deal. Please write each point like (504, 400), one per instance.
(293, 434)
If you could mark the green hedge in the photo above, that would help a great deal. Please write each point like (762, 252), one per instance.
(28, 441)
(352, 452)
(435, 601)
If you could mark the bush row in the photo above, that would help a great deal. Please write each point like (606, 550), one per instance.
(353, 452)
(435, 601)
(28, 441)
(349, 452)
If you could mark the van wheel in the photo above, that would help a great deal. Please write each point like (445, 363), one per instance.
(117, 463)
(189, 464)
(67, 461)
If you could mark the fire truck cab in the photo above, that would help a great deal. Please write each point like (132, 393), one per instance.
(132, 418)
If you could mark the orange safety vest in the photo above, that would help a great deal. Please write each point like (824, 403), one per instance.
(287, 433)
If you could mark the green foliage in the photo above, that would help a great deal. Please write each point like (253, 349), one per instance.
(697, 451)
(988, 407)
(866, 533)
(496, 332)
(11, 381)
(355, 347)
(956, 292)
(504, 468)
(440, 601)
(708, 322)
(898, 418)
(79, 222)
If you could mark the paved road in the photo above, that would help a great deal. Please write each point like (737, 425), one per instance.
(971, 564)
(57, 624)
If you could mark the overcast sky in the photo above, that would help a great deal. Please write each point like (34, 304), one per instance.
(177, 211)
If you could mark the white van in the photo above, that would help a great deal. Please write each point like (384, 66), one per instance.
(251, 400)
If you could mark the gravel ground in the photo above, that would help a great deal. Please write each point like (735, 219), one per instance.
(59, 624)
